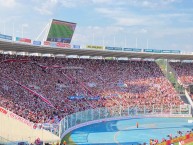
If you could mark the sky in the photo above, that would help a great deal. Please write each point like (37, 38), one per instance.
(153, 24)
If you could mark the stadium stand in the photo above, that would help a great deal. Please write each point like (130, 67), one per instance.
(184, 73)
(45, 89)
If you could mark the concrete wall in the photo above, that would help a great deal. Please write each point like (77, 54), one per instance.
(15, 130)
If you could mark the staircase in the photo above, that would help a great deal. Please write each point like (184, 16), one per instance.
(183, 91)
(184, 99)
(170, 74)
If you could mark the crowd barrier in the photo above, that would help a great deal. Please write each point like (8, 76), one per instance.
(91, 116)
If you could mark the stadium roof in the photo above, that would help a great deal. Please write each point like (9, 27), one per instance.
(23, 47)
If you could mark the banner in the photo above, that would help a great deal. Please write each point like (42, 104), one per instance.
(94, 98)
(36, 42)
(16, 117)
(26, 40)
(112, 96)
(64, 45)
(7, 37)
(75, 97)
(76, 46)
(182, 139)
(2, 110)
(161, 51)
(46, 43)
(114, 48)
(187, 141)
(152, 50)
(132, 49)
(171, 51)
(33, 92)
(94, 47)
(122, 85)
(53, 44)
(16, 60)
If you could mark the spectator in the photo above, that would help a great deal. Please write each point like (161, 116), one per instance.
(96, 83)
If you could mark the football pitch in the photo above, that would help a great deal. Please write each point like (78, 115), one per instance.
(60, 31)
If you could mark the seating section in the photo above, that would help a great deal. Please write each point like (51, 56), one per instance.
(184, 73)
(45, 89)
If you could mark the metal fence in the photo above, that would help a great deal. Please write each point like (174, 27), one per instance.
(119, 111)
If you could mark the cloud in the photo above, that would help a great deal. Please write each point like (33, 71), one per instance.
(164, 22)
(152, 4)
(75, 3)
(122, 17)
(102, 1)
(137, 3)
(46, 7)
(43, 10)
(129, 21)
(8, 3)
(25, 25)
(84, 35)
(68, 3)
(158, 4)
(187, 48)
(142, 31)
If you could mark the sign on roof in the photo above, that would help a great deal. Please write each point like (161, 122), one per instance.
(7, 37)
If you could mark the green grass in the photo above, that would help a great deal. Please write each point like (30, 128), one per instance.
(68, 139)
(184, 144)
(189, 143)
(60, 31)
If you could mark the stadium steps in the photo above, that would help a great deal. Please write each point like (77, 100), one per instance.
(170, 74)
(188, 98)
(184, 99)
(168, 70)
(179, 88)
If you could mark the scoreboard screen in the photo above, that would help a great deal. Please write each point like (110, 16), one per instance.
(61, 31)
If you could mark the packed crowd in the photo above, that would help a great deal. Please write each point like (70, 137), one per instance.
(94, 83)
(184, 73)
(170, 137)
